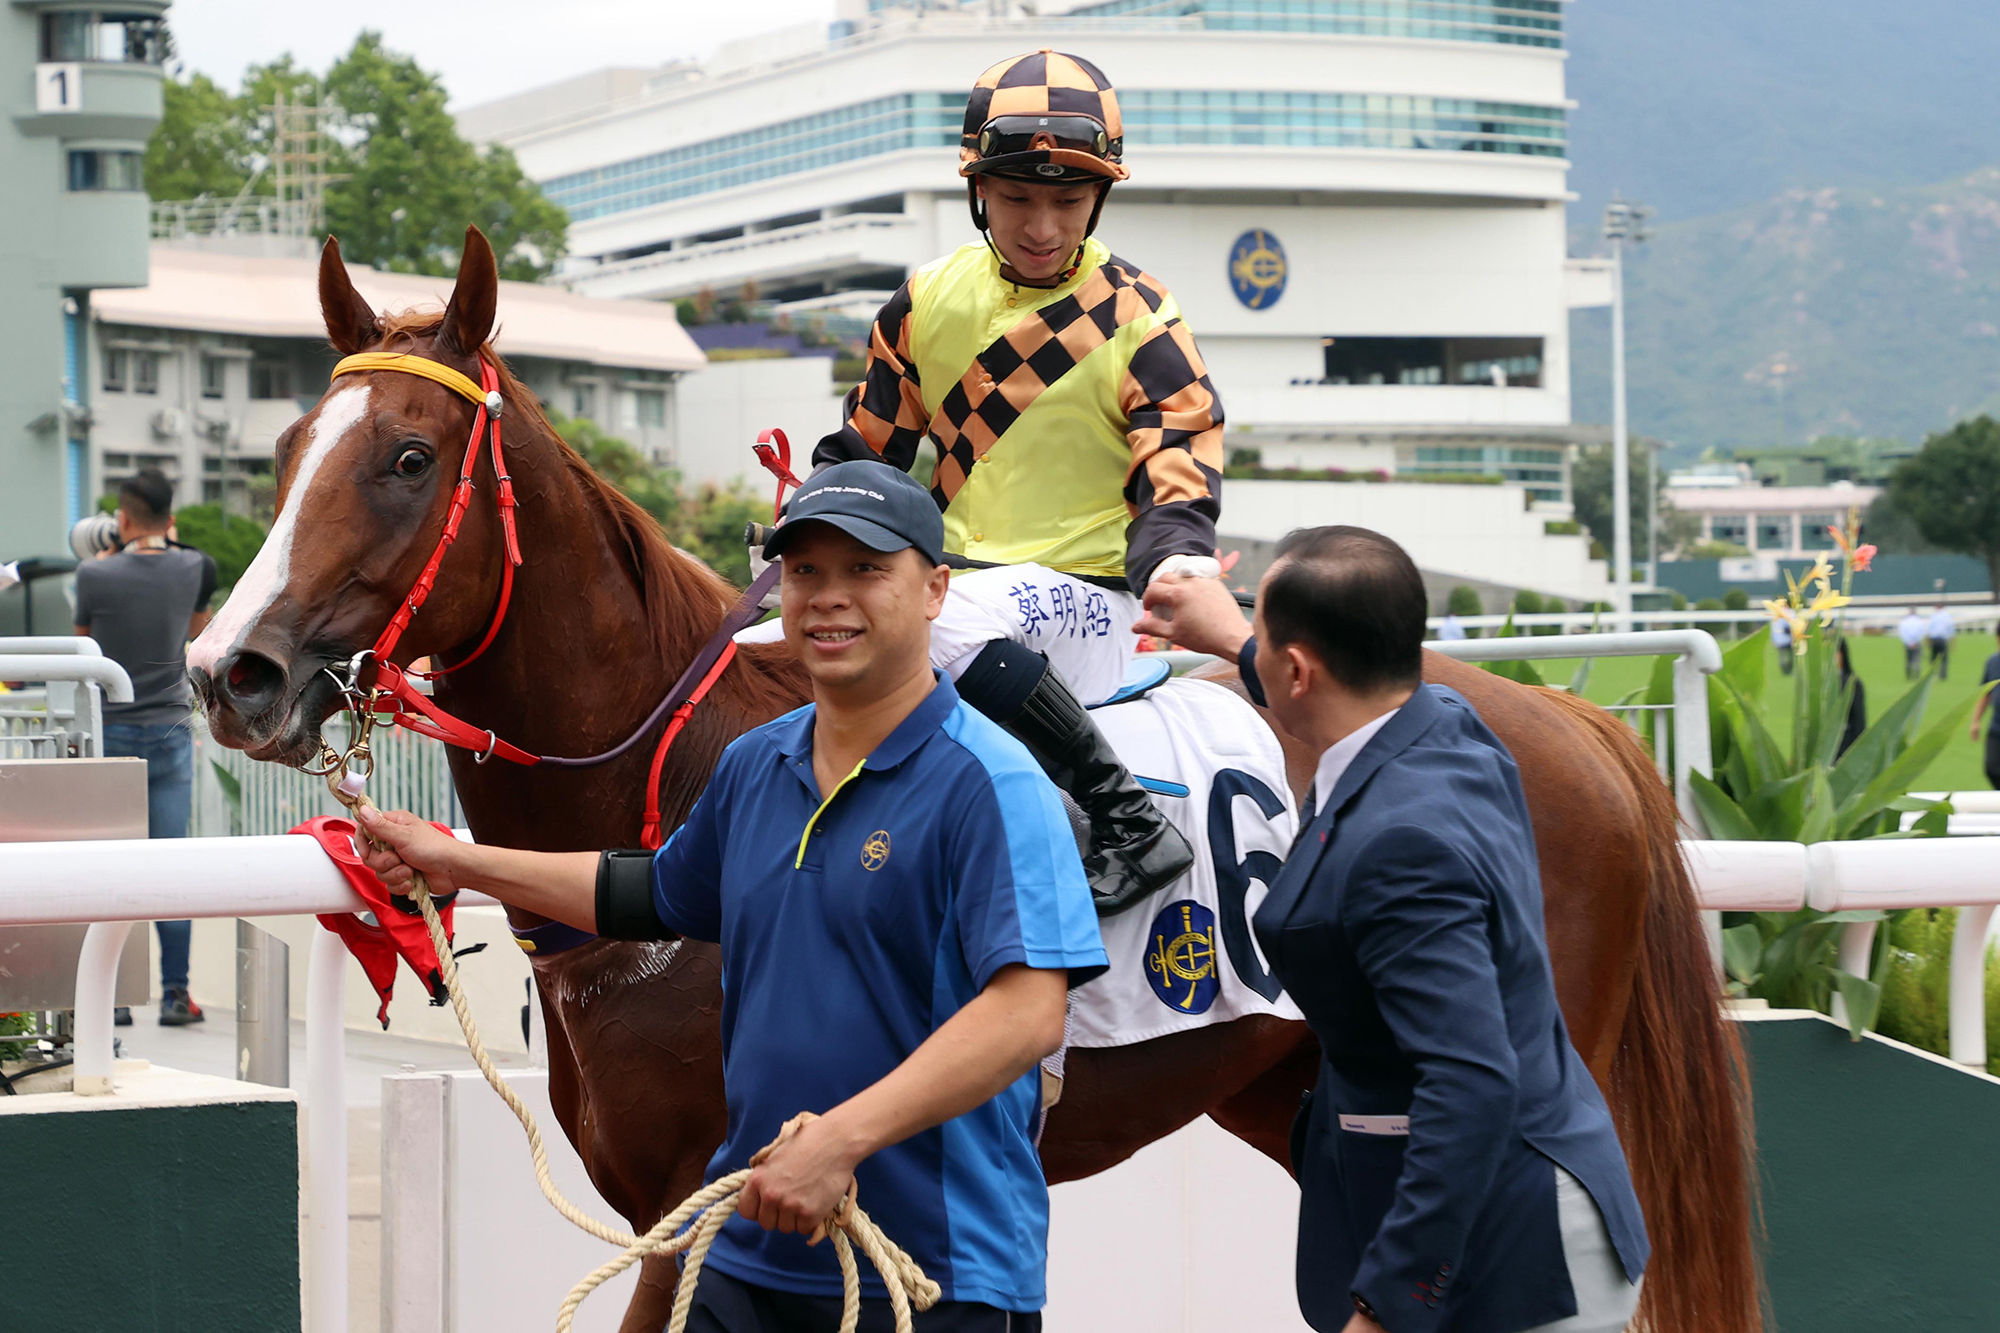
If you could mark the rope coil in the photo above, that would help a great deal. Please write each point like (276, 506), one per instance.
(715, 1204)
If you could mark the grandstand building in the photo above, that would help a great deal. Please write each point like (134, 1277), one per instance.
(1359, 203)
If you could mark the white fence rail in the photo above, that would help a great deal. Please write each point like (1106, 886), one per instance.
(411, 773)
(116, 883)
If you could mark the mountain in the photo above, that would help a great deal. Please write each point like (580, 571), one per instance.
(1700, 106)
(1832, 311)
(1856, 311)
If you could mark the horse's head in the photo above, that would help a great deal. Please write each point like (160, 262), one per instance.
(364, 481)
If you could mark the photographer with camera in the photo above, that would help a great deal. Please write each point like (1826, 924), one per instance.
(142, 602)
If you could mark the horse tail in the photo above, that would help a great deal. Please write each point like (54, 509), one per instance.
(1679, 1087)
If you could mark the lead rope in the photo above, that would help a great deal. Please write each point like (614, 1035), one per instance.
(906, 1282)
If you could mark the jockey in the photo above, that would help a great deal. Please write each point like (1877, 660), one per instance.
(1078, 443)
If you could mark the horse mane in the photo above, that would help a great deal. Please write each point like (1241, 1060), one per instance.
(683, 598)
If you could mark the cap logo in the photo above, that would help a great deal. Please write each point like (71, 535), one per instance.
(1047, 169)
(848, 490)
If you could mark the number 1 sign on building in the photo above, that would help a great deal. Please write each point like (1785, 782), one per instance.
(59, 87)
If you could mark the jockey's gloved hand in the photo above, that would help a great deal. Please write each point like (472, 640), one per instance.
(1187, 567)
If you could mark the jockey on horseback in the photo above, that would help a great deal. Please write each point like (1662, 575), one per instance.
(1079, 443)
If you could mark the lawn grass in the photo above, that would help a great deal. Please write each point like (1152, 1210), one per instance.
(1878, 659)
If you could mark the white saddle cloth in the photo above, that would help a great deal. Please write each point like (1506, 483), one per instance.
(1185, 957)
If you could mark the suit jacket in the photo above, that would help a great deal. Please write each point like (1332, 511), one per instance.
(1407, 924)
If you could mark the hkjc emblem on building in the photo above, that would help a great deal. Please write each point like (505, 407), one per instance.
(1181, 966)
(1257, 269)
(875, 851)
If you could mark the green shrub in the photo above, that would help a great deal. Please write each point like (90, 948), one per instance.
(230, 540)
(1735, 599)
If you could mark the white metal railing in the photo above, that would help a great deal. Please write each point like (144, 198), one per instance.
(1590, 621)
(1696, 656)
(66, 717)
(412, 773)
(112, 884)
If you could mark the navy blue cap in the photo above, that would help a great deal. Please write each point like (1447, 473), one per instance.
(879, 506)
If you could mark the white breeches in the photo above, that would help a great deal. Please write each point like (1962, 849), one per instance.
(1085, 631)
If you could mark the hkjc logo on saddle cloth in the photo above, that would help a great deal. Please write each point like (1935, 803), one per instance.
(1257, 269)
(1181, 964)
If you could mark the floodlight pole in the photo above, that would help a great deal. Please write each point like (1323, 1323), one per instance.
(1622, 223)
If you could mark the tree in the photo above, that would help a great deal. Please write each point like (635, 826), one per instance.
(198, 148)
(230, 540)
(1590, 492)
(1951, 490)
(708, 524)
(406, 184)
(413, 184)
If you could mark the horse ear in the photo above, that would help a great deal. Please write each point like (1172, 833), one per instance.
(350, 324)
(468, 319)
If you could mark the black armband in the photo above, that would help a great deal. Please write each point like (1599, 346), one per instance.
(625, 897)
(1246, 669)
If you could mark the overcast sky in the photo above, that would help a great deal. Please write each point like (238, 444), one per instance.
(485, 49)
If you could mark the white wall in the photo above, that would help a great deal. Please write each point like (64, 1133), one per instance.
(719, 410)
(1355, 270)
(1476, 532)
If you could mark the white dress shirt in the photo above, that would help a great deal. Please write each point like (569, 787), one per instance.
(1942, 626)
(1333, 764)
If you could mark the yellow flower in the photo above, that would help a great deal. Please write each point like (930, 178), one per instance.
(1828, 601)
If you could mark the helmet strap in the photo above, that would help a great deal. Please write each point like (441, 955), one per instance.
(1096, 212)
(977, 205)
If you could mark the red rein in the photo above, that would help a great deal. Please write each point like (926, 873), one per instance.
(394, 693)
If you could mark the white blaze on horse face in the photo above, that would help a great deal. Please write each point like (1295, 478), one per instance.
(271, 570)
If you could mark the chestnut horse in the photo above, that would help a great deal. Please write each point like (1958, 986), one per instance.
(605, 614)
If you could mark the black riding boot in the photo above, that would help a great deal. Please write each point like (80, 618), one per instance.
(1134, 851)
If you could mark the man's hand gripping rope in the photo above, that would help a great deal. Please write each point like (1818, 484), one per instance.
(715, 1204)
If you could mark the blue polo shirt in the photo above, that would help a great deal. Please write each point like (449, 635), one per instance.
(855, 923)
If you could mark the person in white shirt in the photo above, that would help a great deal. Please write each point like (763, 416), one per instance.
(1939, 632)
(1781, 639)
(1451, 629)
(1910, 629)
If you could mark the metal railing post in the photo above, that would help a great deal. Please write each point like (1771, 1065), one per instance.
(326, 1135)
(96, 999)
(263, 1007)
(1692, 752)
(1968, 987)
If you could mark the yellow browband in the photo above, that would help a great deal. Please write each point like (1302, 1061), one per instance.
(411, 364)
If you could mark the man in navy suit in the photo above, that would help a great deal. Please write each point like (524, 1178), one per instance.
(1458, 1170)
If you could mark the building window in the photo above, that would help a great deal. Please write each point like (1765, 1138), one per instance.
(213, 368)
(145, 372)
(1774, 532)
(583, 400)
(1813, 533)
(652, 407)
(270, 379)
(117, 365)
(118, 38)
(1732, 528)
(1166, 116)
(106, 169)
(1507, 22)
(1452, 361)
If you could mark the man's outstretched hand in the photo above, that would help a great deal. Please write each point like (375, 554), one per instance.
(1195, 613)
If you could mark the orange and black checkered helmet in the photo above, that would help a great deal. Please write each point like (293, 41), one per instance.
(1045, 116)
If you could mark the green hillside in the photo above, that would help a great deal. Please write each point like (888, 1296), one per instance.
(1856, 311)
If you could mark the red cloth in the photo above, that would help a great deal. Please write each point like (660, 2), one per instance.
(400, 929)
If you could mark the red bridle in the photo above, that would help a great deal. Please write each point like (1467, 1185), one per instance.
(394, 695)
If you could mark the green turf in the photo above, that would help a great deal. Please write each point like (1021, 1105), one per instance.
(1879, 660)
